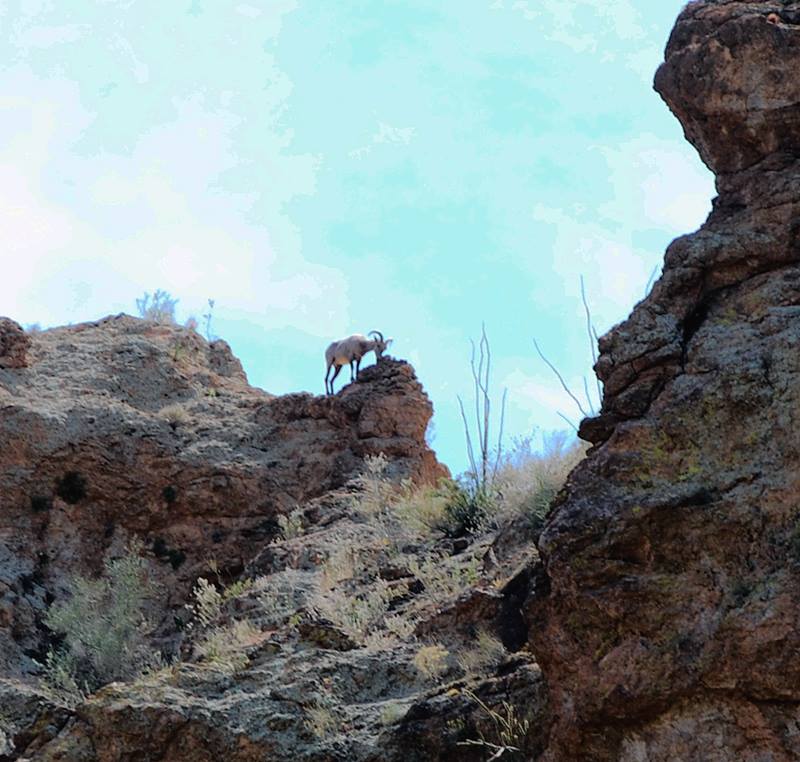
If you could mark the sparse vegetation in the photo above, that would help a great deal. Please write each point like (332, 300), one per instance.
(443, 577)
(207, 318)
(175, 415)
(158, 307)
(291, 524)
(104, 628)
(485, 654)
(392, 714)
(321, 721)
(527, 480)
(223, 648)
(220, 646)
(505, 733)
(340, 566)
(431, 661)
(356, 613)
(484, 461)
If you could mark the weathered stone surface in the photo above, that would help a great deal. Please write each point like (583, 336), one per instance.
(14, 343)
(124, 428)
(665, 617)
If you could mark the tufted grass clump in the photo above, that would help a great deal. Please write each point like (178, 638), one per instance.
(431, 661)
(528, 480)
(175, 415)
(360, 614)
(484, 654)
(292, 524)
(104, 628)
(321, 720)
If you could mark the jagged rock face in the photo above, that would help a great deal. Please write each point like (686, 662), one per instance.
(665, 617)
(123, 428)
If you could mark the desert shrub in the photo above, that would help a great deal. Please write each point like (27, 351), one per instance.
(158, 307)
(282, 595)
(469, 507)
(291, 524)
(376, 492)
(431, 661)
(423, 510)
(223, 648)
(485, 653)
(220, 645)
(104, 628)
(206, 604)
(528, 480)
(442, 577)
(399, 626)
(341, 565)
(357, 614)
(175, 415)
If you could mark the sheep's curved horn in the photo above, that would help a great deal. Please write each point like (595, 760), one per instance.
(377, 333)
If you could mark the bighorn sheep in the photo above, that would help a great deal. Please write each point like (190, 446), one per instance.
(351, 350)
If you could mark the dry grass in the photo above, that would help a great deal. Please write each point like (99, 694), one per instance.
(223, 648)
(292, 524)
(342, 565)
(432, 661)
(321, 721)
(527, 480)
(175, 415)
(443, 577)
(357, 614)
(485, 654)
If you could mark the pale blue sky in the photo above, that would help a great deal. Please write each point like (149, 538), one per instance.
(334, 166)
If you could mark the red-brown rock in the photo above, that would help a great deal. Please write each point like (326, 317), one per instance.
(14, 343)
(665, 617)
(124, 428)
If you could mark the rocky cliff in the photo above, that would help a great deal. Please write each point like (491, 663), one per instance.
(665, 616)
(123, 429)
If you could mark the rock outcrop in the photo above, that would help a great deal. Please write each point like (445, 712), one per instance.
(124, 428)
(665, 616)
(14, 343)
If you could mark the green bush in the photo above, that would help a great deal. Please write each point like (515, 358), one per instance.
(104, 628)
(469, 508)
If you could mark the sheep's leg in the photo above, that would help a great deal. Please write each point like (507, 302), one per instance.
(327, 373)
(352, 376)
(358, 367)
(335, 373)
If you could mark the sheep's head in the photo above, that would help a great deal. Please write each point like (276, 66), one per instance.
(381, 344)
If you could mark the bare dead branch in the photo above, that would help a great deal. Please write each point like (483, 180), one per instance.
(593, 341)
(561, 379)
